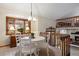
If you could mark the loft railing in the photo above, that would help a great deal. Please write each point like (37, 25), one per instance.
(62, 41)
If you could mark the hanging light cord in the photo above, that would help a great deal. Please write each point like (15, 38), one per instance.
(31, 11)
(30, 37)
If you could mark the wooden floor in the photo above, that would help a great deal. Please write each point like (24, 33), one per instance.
(43, 52)
(7, 51)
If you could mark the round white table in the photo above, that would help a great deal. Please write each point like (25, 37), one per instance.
(38, 38)
(33, 41)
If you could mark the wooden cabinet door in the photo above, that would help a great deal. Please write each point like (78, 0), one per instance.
(12, 41)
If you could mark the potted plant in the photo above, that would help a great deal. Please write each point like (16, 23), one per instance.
(32, 35)
(21, 30)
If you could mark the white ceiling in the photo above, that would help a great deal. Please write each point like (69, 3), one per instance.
(47, 10)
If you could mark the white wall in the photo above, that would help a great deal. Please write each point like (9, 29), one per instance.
(44, 23)
(3, 38)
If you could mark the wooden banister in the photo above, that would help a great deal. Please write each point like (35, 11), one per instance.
(65, 45)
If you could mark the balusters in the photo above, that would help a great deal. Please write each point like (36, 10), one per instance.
(65, 45)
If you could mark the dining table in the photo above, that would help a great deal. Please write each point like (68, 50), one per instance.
(34, 42)
(36, 38)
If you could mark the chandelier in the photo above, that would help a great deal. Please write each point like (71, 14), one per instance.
(31, 18)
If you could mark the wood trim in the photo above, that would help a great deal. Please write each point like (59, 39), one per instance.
(8, 17)
(65, 45)
(6, 26)
(5, 45)
(16, 18)
(14, 25)
(68, 22)
(67, 18)
(24, 27)
(30, 26)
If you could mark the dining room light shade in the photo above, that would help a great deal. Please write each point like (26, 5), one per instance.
(11, 28)
(32, 18)
(29, 18)
(27, 28)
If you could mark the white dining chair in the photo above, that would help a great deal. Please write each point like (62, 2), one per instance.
(26, 47)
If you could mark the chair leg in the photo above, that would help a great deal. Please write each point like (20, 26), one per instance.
(36, 53)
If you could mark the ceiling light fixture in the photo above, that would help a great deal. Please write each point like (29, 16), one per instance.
(30, 18)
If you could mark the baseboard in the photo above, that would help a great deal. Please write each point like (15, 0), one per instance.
(5, 45)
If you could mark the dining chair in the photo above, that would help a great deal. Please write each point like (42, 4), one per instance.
(26, 47)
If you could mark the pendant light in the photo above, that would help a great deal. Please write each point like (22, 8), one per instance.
(31, 18)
